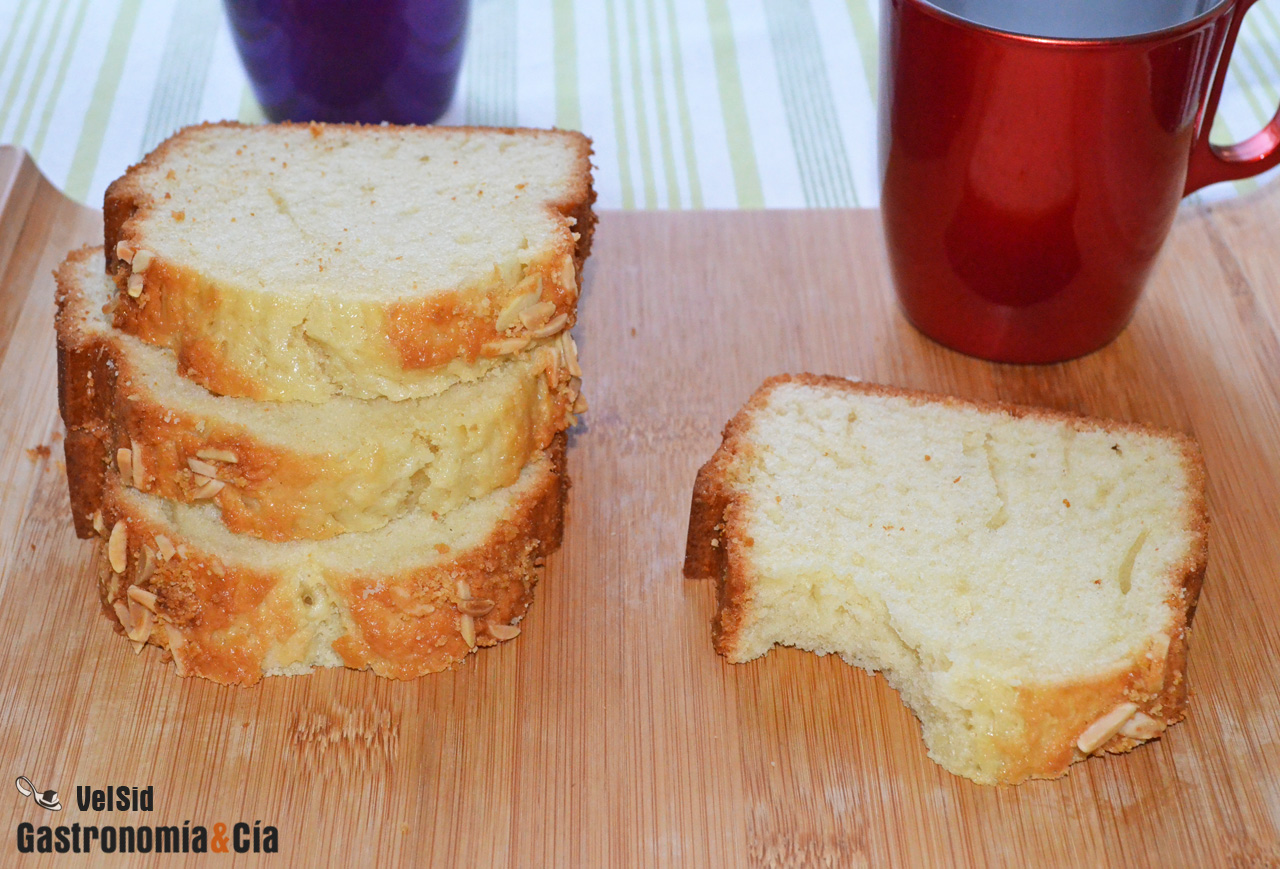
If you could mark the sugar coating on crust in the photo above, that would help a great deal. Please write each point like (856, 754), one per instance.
(1018, 575)
(412, 598)
(294, 262)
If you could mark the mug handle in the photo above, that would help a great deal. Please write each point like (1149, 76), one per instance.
(1211, 163)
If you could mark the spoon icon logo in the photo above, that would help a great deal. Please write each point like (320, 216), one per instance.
(46, 799)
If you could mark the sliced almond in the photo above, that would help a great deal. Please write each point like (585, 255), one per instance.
(504, 632)
(124, 614)
(134, 286)
(1099, 732)
(124, 251)
(141, 261)
(476, 607)
(468, 627)
(580, 404)
(464, 590)
(569, 350)
(549, 361)
(117, 546)
(506, 346)
(511, 313)
(177, 642)
(139, 470)
(1142, 726)
(165, 546)
(98, 525)
(536, 316)
(124, 461)
(148, 567)
(144, 598)
(142, 624)
(207, 489)
(569, 274)
(217, 455)
(204, 469)
(554, 325)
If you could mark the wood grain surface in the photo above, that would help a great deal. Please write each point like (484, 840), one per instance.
(609, 733)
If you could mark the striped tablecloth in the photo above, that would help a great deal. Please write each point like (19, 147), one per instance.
(691, 103)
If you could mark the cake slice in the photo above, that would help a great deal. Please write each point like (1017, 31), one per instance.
(1024, 578)
(413, 597)
(300, 261)
(288, 470)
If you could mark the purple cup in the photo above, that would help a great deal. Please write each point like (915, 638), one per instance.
(351, 60)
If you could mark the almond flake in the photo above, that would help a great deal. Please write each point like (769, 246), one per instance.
(148, 565)
(1099, 732)
(217, 455)
(549, 361)
(139, 472)
(124, 615)
(117, 546)
(142, 597)
(207, 489)
(506, 346)
(476, 608)
(204, 469)
(468, 628)
(177, 643)
(569, 350)
(511, 313)
(165, 545)
(504, 632)
(135, 286)
(124, 461)
(141, 261)
(1142, 726)
(536, 316)
(569, 274)
(552, 327)
(142, 623)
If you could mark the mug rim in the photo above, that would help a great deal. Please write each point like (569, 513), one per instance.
(1174, 30)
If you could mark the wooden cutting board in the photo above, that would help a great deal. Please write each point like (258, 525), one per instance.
(609, 733)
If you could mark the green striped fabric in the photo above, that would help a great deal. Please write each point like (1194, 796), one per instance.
(691, 103)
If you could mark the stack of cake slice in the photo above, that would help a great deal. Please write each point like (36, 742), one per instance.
(316, 387)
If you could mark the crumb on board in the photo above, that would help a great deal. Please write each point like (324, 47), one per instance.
(38, 453)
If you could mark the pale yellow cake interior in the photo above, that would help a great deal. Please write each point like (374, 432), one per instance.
(962, 553)
(373, 459)
(350, 213)
(311, 576)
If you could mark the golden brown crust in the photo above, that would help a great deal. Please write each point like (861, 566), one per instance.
(274, 492)
(175, 306)
(86, 384)
(1055, 715)
(226, 622)
(503, 571)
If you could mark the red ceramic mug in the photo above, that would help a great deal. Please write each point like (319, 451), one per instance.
(1028, 181)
